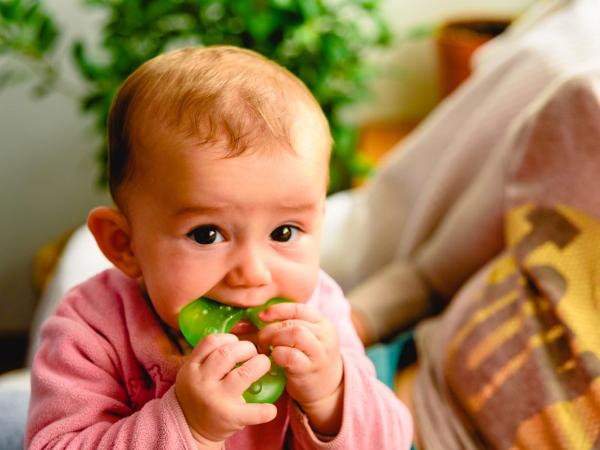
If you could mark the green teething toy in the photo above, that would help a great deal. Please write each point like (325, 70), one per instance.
(205, 316)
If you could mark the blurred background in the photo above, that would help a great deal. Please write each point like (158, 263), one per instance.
(377, 67)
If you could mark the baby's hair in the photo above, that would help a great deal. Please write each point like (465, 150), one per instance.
(213, 95)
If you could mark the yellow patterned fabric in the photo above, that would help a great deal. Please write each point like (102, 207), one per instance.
(536, 320)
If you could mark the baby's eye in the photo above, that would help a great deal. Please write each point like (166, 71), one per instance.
(206, 235)
(285, 233)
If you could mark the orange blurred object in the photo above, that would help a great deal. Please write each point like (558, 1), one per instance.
(377, 138)
(456, 41)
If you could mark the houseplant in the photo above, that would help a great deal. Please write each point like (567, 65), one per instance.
(323, 42)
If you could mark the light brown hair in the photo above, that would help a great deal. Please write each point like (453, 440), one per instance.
(210, 94)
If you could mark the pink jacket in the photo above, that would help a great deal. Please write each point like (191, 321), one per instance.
(103, 378)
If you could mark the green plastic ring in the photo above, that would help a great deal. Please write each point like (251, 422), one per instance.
(205, 316)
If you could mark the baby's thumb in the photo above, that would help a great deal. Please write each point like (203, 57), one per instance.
(257, 413)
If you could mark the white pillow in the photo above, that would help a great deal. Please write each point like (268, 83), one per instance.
(81, 258)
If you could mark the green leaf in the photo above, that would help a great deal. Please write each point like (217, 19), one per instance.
(10, 10)
(31, 12)
(262, 25)
(92, 101)
(369, 5)
(46, 35)
(285, 5)
(309, 8)
(87, 69)
(159, 8)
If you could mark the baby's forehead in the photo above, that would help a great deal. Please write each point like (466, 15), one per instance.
(304, 141)
(236, 123)
(168, 155)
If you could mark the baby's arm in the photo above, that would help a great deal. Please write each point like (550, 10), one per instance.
(79, 399)
(373, 418)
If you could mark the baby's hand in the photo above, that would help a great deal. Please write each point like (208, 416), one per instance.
(210, 384)
(306, 345)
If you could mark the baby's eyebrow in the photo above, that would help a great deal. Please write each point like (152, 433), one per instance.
(207, 210)
(300, 207)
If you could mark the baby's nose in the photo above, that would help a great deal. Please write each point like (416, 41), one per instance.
(250, 268)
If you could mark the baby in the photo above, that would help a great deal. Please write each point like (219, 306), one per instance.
(218, 170)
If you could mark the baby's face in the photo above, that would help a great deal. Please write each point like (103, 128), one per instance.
(238, 230)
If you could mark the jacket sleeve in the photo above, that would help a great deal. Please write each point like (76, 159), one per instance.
(80, 401)
(373, 417)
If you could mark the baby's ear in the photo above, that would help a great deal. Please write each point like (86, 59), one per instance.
(113, 235)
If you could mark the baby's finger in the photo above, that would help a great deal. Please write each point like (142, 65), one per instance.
(207, 345)
(292, 360)
(287, 311)
(287, 329)
(257, 413)
(298, 336)
(224, 358)
(240, 378)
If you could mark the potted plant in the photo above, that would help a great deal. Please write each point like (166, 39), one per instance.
(323, 42)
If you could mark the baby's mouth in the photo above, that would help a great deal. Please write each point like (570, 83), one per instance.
(244, 327)
(246, 331)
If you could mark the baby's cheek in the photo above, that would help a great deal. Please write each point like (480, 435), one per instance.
(305, 286)
(167, 303)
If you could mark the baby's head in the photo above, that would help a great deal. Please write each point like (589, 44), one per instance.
(218, 166)
(223, 99)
